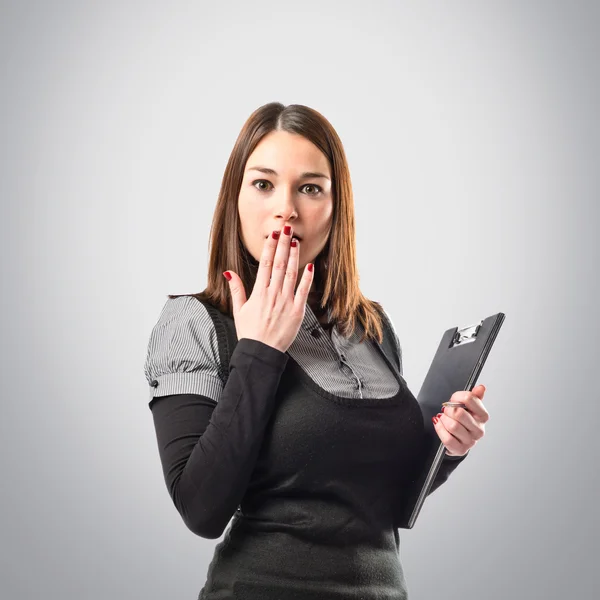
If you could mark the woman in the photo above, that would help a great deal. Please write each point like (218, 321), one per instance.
(278, 394)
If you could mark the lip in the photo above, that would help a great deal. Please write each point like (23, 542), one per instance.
(298, 237)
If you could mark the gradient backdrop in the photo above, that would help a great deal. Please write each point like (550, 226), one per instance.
(472, 132)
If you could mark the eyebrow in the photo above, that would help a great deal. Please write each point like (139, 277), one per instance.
(273, 172)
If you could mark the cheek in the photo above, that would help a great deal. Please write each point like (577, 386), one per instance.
(251, 225)
(250, 213)
(323, 218)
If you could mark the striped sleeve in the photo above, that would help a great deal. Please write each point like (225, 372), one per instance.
(183, 351)
(397, 340)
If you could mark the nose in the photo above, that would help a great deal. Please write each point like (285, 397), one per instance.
(285, 208)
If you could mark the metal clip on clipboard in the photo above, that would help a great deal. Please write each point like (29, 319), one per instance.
(466, 335)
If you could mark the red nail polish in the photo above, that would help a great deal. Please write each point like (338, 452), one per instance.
(434, 419)
(443, 408)
(310, 267)
(275, 235)
(227, 275)
(287, 229)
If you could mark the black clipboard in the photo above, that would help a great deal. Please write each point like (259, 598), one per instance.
(455, 366)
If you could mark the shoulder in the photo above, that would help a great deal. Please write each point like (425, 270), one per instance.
(185, 320)
(387, 316)
(185, 309)
(183, 351)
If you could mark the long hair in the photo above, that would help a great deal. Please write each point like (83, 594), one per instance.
(335, 283)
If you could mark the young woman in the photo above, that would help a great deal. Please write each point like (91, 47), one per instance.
(277, 393)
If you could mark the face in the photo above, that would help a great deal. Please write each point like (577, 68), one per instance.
(287, 181)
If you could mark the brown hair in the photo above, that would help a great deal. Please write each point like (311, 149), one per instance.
(336, 276)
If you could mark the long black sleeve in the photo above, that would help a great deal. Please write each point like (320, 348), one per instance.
(208, 449)
(448, 465)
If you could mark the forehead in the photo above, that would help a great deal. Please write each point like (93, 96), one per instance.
(288, 153)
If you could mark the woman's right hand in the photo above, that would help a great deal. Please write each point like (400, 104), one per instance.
(273, 313)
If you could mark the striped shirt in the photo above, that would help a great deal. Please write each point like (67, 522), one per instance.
(183, 356)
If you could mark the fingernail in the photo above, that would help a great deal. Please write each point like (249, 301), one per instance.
(294, 243)
(443, 408)
(227, 275)
(435, 420)
(275, 235)
(310, 267)
(287, 229)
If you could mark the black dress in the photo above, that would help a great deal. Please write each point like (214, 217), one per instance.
(320, 478)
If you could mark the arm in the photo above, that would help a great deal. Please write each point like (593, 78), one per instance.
(208, 431)
(449, 464)
(208, 449)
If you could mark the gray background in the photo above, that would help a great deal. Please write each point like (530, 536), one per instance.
(472, 133)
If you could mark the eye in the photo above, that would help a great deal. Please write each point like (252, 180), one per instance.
(260, 181)
(311, 185)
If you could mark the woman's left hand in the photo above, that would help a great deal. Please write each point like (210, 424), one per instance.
(460, 428)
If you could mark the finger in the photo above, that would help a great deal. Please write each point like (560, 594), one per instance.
(476, 430)
(238, 293)
(455, 428)
(301, 297)
(265, 265)
(291, 274)
(473, 404)
(452, 443)
(280, 261)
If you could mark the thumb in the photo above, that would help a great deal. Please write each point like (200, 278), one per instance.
(479, 390)
(236, 286)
